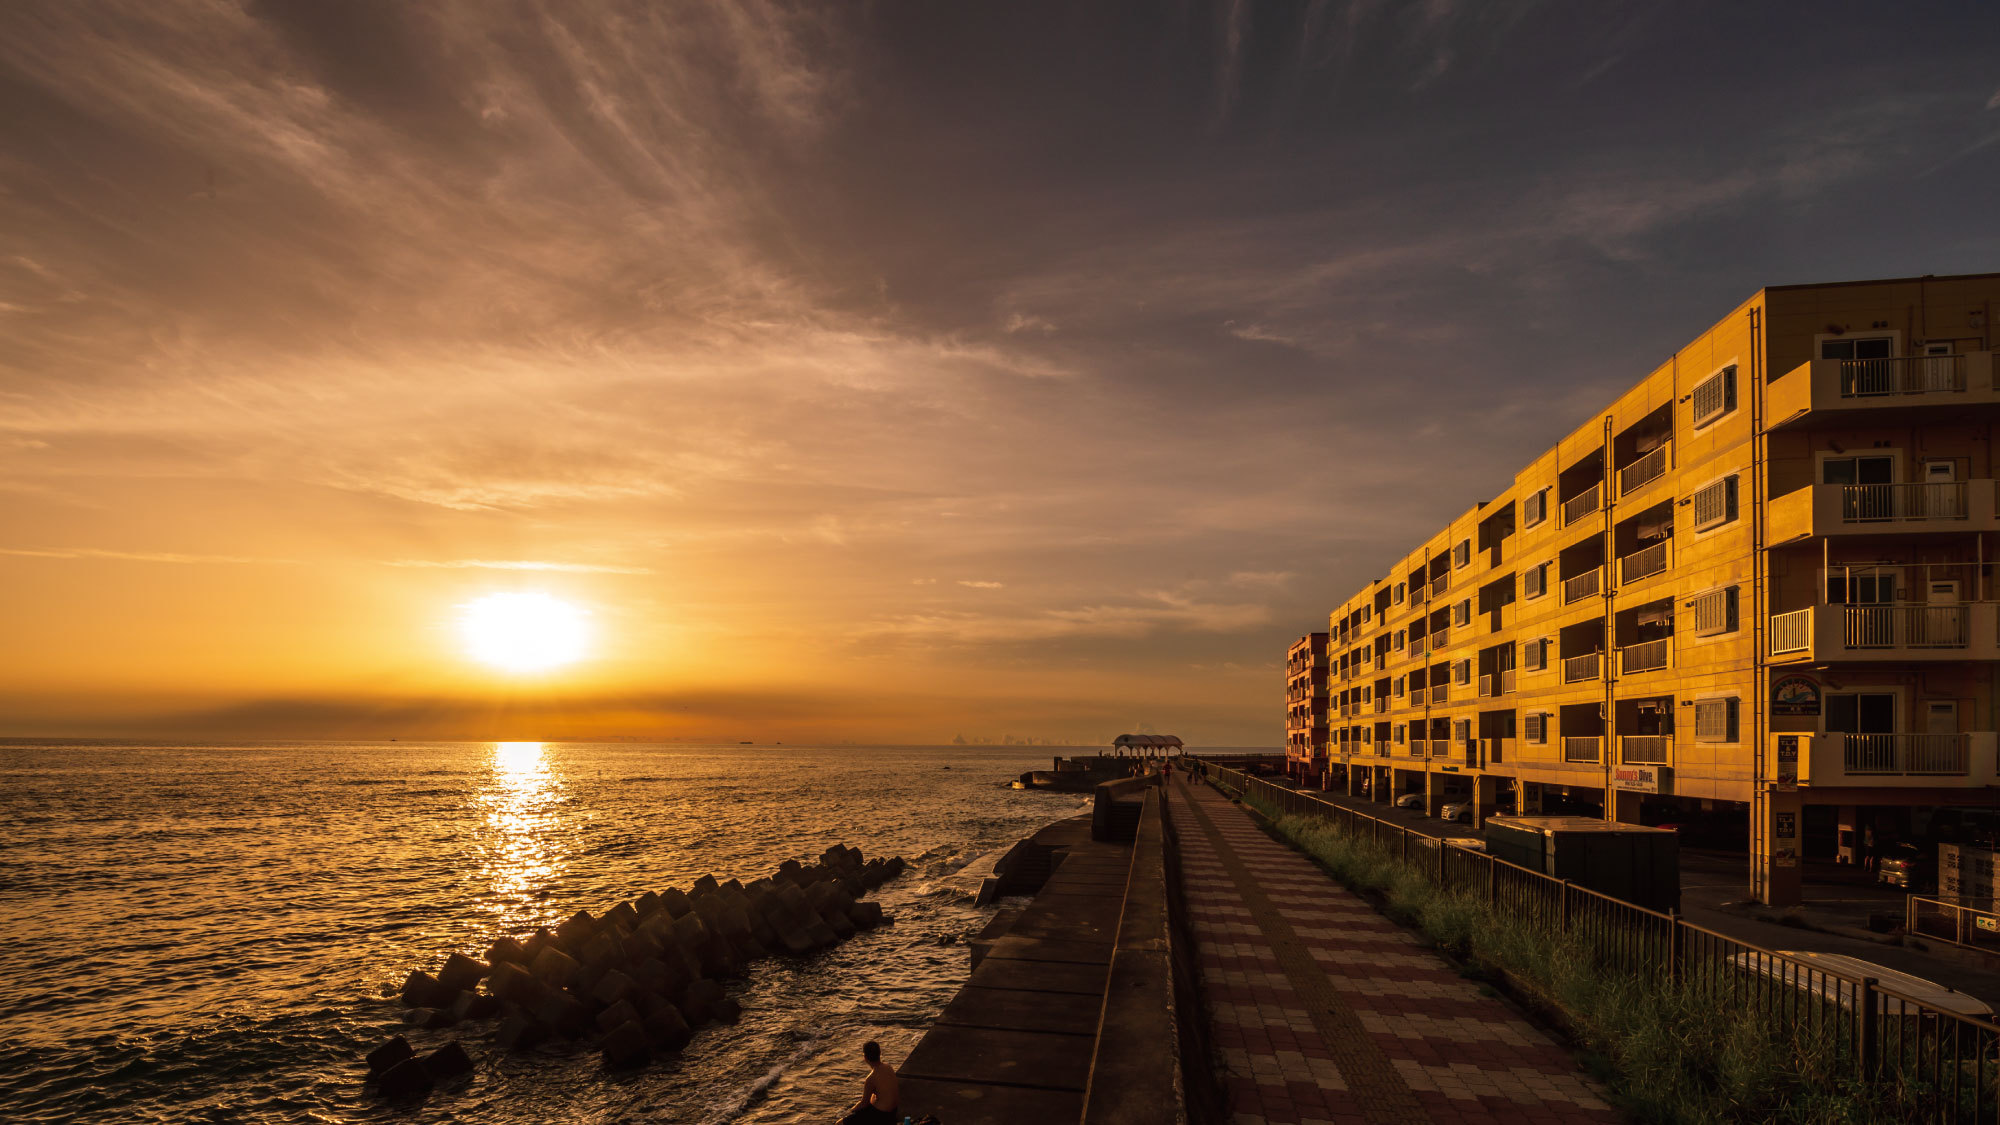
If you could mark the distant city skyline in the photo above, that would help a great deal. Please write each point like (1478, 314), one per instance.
(871, 374)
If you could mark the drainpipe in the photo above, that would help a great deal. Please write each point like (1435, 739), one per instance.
(1760, 448)
(1609, 726)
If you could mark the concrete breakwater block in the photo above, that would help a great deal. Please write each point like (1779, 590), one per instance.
(429, 1017)
(626, 1045)
(475, 1006)
(407, 1079)
(621, 1012)
(573, 933)
(461, 972)
(448, 1061)
(520, 1031)
(389, 1054)
(510, 982)
(505, 950)
(563, 1013)
(422, 990)
(554, 968)
(668, 1028)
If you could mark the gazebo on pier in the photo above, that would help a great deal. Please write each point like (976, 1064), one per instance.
(1147, 745)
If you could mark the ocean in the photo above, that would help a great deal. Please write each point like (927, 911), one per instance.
(217, 932)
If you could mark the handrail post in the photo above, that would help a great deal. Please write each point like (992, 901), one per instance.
(1866, 1031)
(1406, 845)
(1564, 925)
(1674, 948)
(1492, 881)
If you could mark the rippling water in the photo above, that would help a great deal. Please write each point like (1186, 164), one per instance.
(216, 932)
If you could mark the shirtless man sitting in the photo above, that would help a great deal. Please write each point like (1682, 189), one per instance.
(878, 1095)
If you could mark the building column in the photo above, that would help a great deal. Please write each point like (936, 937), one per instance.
(1777, 842)
(1485, 798)
(1625, 806)
(1434, 790)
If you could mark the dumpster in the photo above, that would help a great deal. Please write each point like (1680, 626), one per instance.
(1626, 861)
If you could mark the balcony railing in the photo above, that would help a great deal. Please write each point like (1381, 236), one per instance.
(1941, 754)
(1441, 693)
(1582, 504)
(1906, 626)
(1418, 593)
(1643, 472)
(1585, 667)
(1890, 503)
(1646, 656)
(1583, 585)
(1489, 684)
(1440, 638)
(1440, 584)
(1381, 704)
(1415, 647)
(1643, 563)
(1506, 680)
(1583, 748)
(1645, 749)
(1791, 632)
(1901, 375)
(1440, 747)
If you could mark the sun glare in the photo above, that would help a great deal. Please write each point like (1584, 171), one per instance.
(524, 632)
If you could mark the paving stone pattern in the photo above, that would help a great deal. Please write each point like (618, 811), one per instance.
(1325, 1011)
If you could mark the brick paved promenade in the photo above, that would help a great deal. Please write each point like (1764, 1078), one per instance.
(1325, 1011)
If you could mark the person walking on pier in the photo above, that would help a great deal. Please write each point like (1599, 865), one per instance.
(878, 1095)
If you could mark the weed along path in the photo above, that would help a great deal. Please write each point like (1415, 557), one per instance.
(1325, 1011)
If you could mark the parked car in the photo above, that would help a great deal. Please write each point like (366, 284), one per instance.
(1908, 866)
(1459, 811)
(1410, 801)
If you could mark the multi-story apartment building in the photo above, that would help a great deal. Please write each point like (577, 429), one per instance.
(1305, 708)
(1753, 591)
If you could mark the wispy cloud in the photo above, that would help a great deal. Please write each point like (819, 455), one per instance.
(139, 556)
(521, 564)
(977, 584)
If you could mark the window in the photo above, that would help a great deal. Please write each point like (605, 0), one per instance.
(1399, 686)
(1399, 593)
(1535, 508)
(1364, 614)
(1861, 712)
(1535, 654)
(1715, 396)
(1714, 612)
(1872, 469)
(1461, 614)
(1535, 581)
(1715, 720)
(1461, 729)
(1535, 727)
(1461, 672)
(1716, 504)
(1461, 555)
(1402, 637)
(1400, 735)
(1858, 347)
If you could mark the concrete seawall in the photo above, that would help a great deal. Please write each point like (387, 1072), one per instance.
(1080, 1007)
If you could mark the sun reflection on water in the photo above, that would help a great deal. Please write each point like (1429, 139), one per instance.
(521, 820)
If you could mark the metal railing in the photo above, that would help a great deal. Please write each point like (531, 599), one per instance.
(1948, 921)
(1643, 472)
(1905, 626)
(1791, 632)
(1585, 667)
(1645, 749)
(1415, 647)
(1944, 755)
(1902, 375)
(1582, 504)
(1440, 584)
(1417, 593)
(1440, 637)
(1440, 693)
(1506, 680)
(1583, 585)
(1489, 685)
(1646, 656)
(1583, 748)
(1643, 563)
(1928, 1063)
(1889, 503)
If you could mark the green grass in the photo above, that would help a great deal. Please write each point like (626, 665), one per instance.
(1665, 1053)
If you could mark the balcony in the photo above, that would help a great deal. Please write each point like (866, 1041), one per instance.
(1643, 563)
(1582, 504)
(1440, 747)
(1645, 749)
(1887, 632)
(1644, 471)
(1415, 647)
(1646, 656)
(1584, 585)
(1418, 593)
(1583, 748)
(1916, 386)
(1883, 509)
(1440, 638)
(1381, 704)
(1496, 684)
(1440, 584)
(1579, 668)
(1894, 760)
(1441, 693)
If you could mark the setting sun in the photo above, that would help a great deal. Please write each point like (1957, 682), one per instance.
(523, 632)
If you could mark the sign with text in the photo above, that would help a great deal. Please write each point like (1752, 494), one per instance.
(1786, 769)
(1785, 839)
(1795, 696)
(1642, 779)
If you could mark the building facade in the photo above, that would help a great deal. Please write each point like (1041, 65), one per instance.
(1305, 709)
(1752, 595)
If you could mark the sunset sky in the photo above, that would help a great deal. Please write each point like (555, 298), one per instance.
(873, 372)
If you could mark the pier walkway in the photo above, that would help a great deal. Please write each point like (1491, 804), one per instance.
(1325, 1011)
